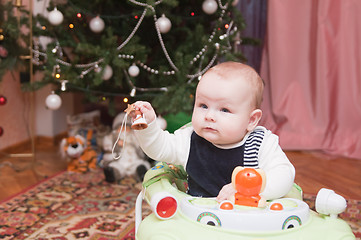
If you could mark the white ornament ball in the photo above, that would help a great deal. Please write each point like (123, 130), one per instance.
(209, 6)
(108, 73)
(97, 24)
(133, 70)
(53, 101)
(55, 17)
(164, 24)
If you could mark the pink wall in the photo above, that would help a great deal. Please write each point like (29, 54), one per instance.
(14, 115)
(17, 116)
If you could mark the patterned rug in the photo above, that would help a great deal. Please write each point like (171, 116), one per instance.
(71, 206)
(84, 206)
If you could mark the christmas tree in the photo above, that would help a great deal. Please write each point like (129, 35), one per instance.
(149, 50)
(13, 41)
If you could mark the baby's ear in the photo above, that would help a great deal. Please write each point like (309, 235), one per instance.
(254, 119)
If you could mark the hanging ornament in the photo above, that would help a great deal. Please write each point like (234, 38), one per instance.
(53, 101)
(209, 6)
(133, 70)
(108, 73)
(1, 131)
(55, 17)
(164, 24)
(97, 24)
(3, 100)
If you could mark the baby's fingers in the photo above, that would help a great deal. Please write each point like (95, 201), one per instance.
(142, 106)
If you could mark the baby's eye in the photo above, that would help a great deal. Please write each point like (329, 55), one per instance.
(203, 106)
(225, 110)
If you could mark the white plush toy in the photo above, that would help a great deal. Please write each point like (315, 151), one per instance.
(131, 159)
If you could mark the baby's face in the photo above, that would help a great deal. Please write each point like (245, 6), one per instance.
(222, 109)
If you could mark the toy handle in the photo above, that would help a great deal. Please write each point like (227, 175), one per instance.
(138, 210)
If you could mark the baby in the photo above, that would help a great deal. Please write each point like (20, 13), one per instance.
(223, 134)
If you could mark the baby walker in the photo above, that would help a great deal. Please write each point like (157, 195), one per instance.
(177, 215)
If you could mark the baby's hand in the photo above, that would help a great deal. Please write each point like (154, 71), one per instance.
(146, 109)
(226, 192)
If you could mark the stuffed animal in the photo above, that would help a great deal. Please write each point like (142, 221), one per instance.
(79, 154)
(132, 160)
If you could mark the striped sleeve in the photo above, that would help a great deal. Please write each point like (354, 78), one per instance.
(251, 148)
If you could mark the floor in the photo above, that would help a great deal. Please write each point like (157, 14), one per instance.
(316, 170)
(313, 171)
(19, 173)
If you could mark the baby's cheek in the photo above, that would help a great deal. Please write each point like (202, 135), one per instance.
(234, 134)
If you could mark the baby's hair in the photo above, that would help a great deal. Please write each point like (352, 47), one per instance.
(231, 70)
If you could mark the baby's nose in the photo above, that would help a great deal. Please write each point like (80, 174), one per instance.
(210, 116)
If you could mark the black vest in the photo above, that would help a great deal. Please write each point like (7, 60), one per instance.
(210, 168)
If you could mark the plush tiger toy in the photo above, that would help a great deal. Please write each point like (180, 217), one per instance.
(81, 157)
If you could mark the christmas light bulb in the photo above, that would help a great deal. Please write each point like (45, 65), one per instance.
(3, 100)
(132, 93)
(63, 85)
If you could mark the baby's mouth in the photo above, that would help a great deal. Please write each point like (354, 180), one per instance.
(210, 129)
